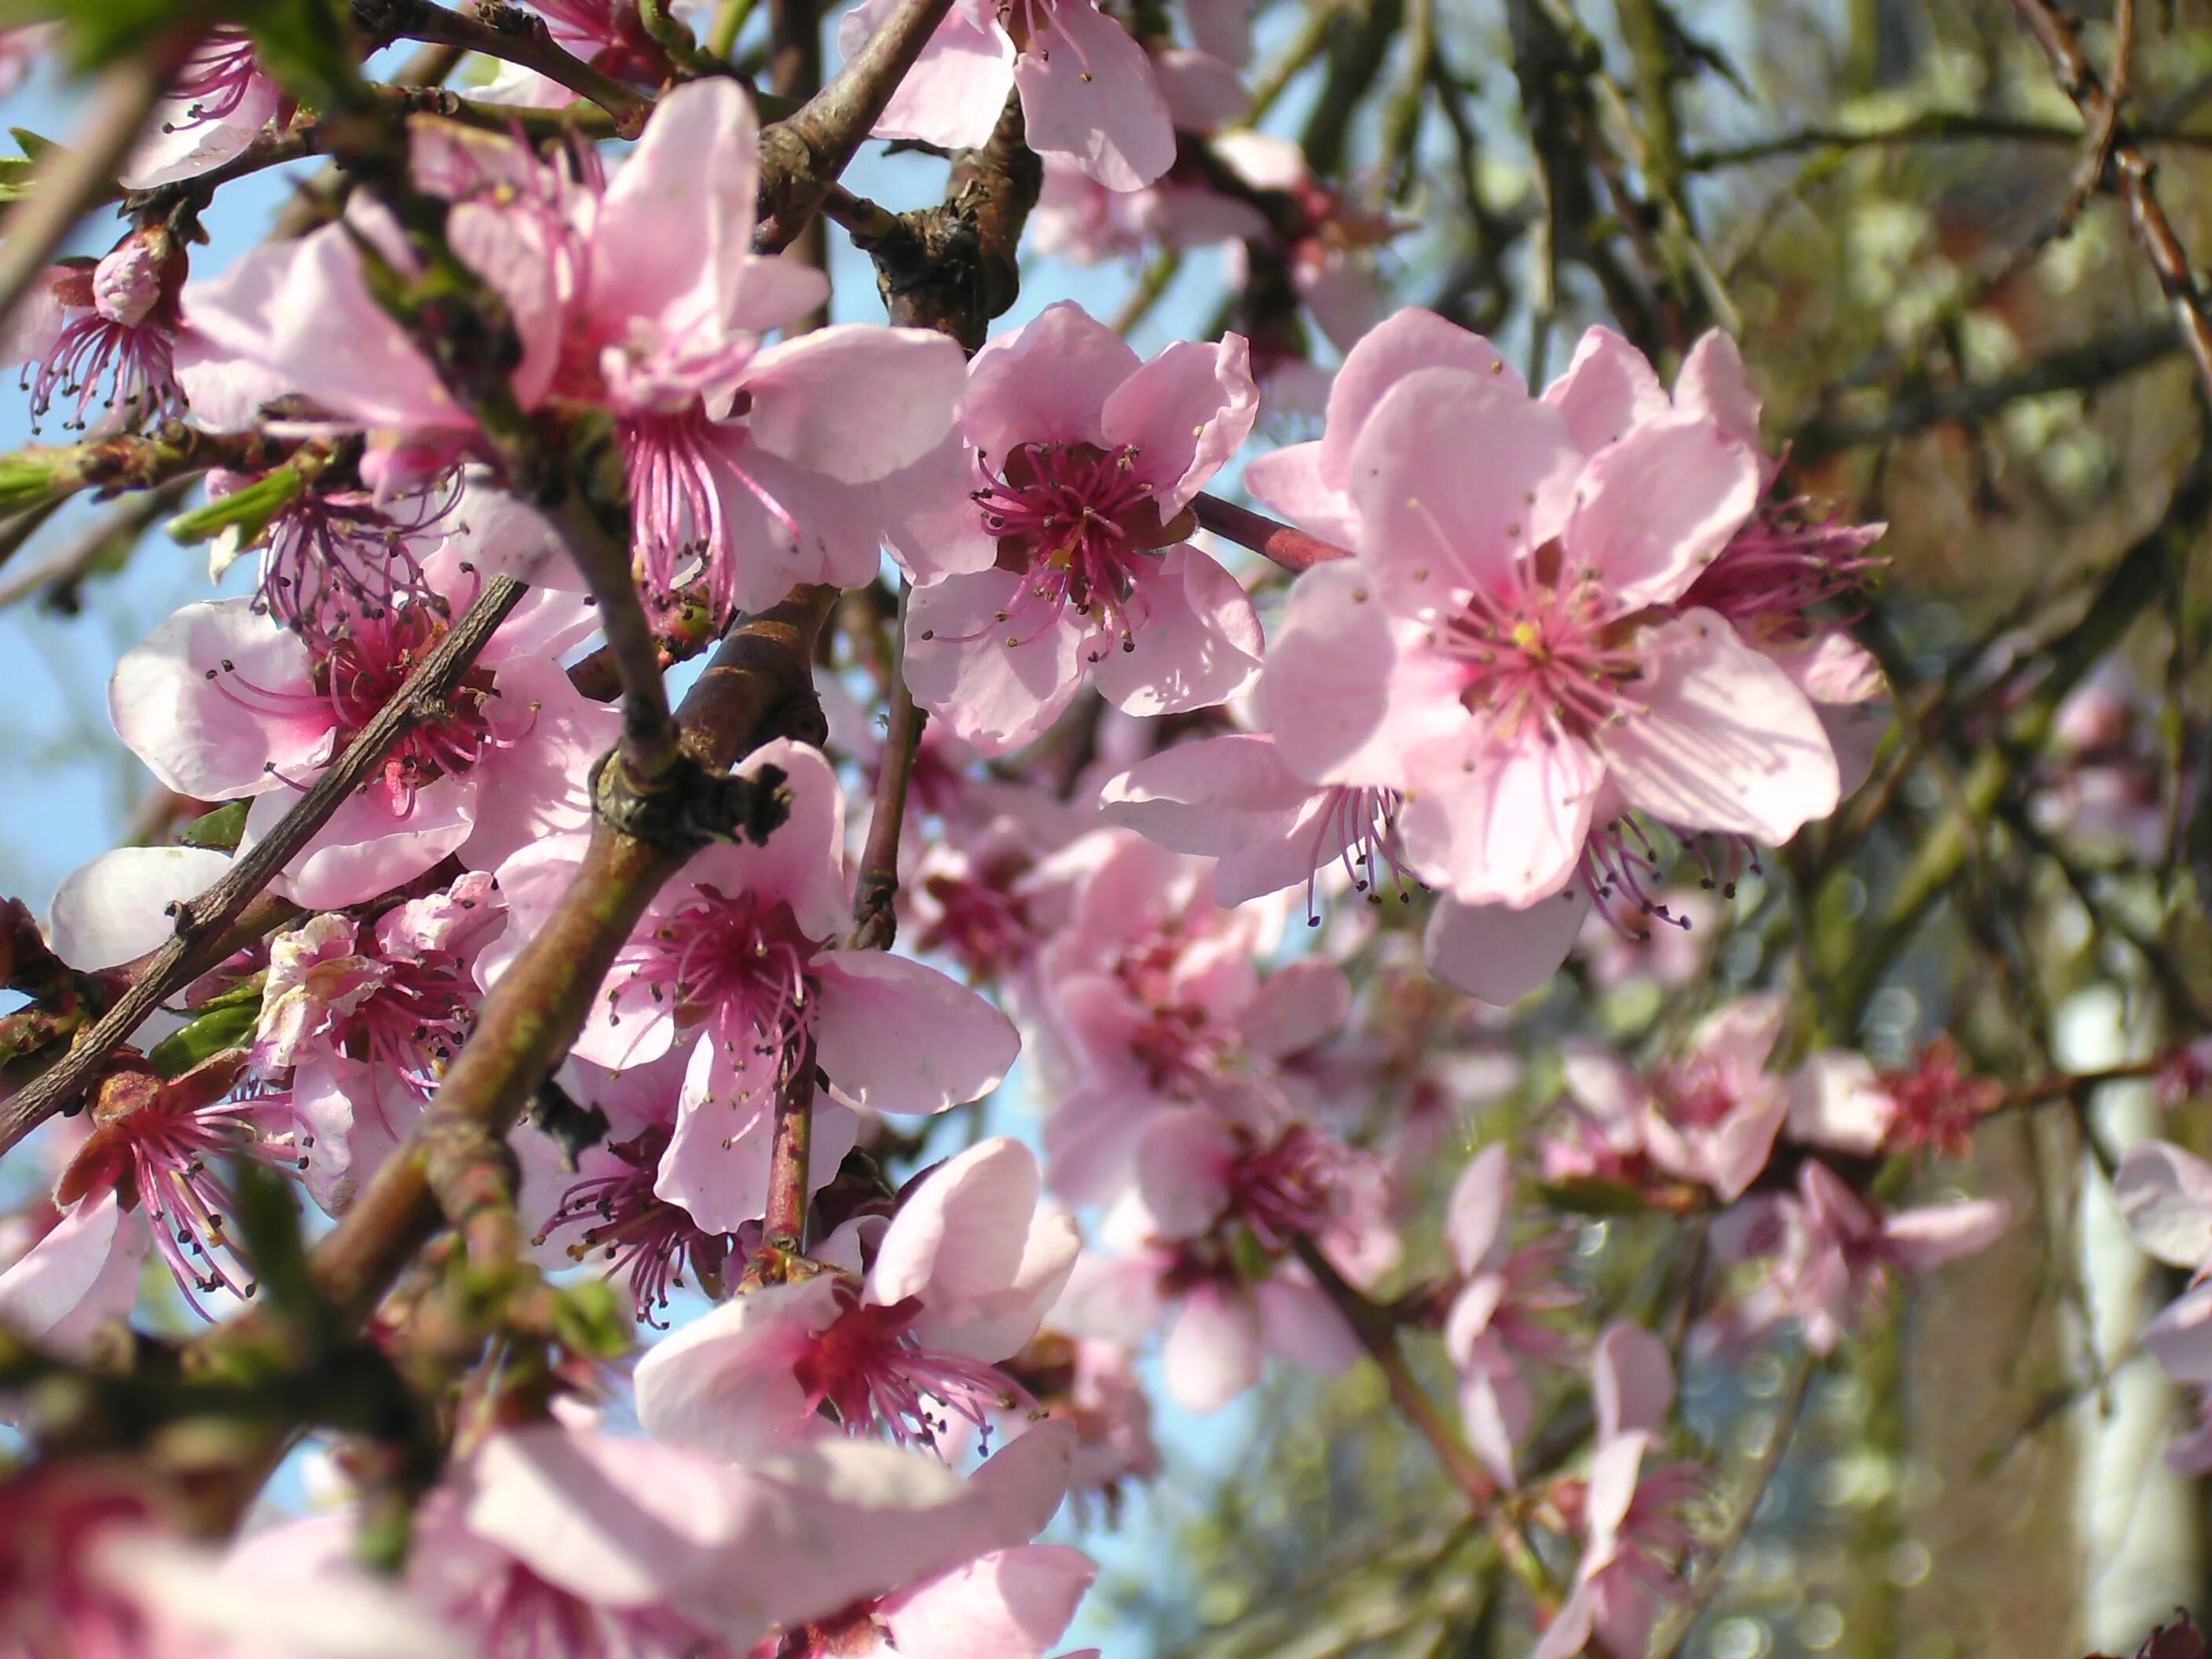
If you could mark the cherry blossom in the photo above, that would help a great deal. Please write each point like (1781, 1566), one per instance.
(738, 952)
(1069, 555)
(110, 325)
(960, 1279)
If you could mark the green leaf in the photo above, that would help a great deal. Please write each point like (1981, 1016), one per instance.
(221, 829)
(248, 511)
(590, 1319)
(217, 1030)
(34, 147)
(30, 476)
(1588, 1196)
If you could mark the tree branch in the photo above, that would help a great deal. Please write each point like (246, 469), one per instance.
(507, 32)
(1293, 550)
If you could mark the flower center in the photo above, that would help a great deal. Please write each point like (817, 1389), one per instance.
(1363, 823)
(868, 1366)
(619, 1218)
(1083, 531)
(742, 960)
(333, 562)
(678, 470)
(1287, 1192)
(1540, 659)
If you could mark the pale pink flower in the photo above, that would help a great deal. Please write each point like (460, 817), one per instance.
(1834, 1251)
(1078, 218)
(152, 1173)
(20, 48)
(565, 1540)
(1499, 652)
(1836, 1100)
(110, 327)
(1221, 1327)
(1067, 542)
(740, 952)
(960, 1279)
(219, 104)
(1496, 1317)
(366, 1021)
(604, 1209)
(221, 702)
(1088, 91)
(2164, 1195)
(1631, 1517)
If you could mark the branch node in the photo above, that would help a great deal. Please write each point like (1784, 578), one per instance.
(689, 806)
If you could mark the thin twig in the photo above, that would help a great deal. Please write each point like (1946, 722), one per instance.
(875, 920)
(1293, 550)
(202, 925)
(519, 38)
(59, 577)
(790, 1153)
(2129, 176)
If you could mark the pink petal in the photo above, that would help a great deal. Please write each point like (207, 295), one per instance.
(532, 781)
(716, 1166)
(1433, 528)
(1609, 389)
(1012, 1604)
(935, 529)
(1288, 483)
(1047, 382)
(1926, 1238)
(1834, 1102)
(1088, 93)
(115, 909)
(723, 1382)
(1183, 1162)
(1652, 511)
(197, 734)
(1712, 383)
(1297, 1007)
(854, 402)
(675, 229)
(1197, 644)
(82, 1275)
(1476, 1211)
(1493, 823)
(803, 861)
(365, 848)
(1411, 340)
(1212, 1353)
(1299, 1323)
(954, 92)
(965, 668)
(1211, 797)
(174, 145)
(1185, 413)
(1726, 742)
(894, 1036)
(1633, 1382)
(1347, 691)
(1498, 954)
(2180, 1338)
(960, 1233)
(2165, 1194)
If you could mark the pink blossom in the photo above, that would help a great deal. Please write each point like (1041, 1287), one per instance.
(604, 1209)
(366, 1020)
(2164, 1195)
(1497, 653)
(112, 325)
(1220, 1328)
(221, 702)
(1011, 1604)
(218, 105)
(1080, 219)
(738, 952)
(1837, 1250)
(1088, 91)
(153, 1171)
(118, 908)
(1496, 1317)
(1709, 1117)
(960, 1279)
(1068, 553)
(1631, 1508)
(20, 48)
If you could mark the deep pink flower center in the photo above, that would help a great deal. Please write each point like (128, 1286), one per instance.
(216, 79)
(1364, 823)
(524, 1617)
(741, 959)
(1696, 1093)
(621, 1219)
(1778, 567)
(986, 926)
(1289, 1190)
(1541, 660)
(679, 465)
(1083, 530)
(363, 669)
(867, 1365)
